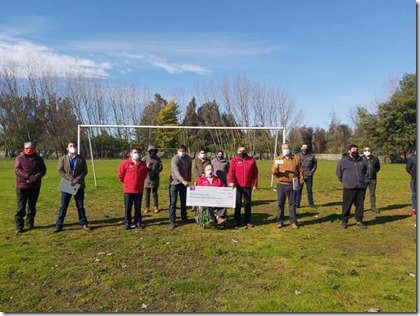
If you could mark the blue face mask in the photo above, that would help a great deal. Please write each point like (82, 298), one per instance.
(181, 153)
(286, 152)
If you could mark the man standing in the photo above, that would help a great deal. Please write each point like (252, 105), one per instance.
(351, 172)
(180, 179)
(72, 167)
(309, 165)
(373, 167)
(151, 184)
(243, 174)
(289, 173)
(29, 169)
(132, 173)
(411, 168)
(199, 163)
(221, 166)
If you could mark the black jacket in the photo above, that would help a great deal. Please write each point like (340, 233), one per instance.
(412, 166)
(309, 164)
(351, 172)
(373, 166)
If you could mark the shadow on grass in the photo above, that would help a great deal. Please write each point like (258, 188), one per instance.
(386, 219)
(394, 207)
(335, 203)
(329, 218)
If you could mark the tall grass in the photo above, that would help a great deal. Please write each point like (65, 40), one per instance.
(318, 268)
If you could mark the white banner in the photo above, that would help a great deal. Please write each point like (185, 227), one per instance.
(211, 196)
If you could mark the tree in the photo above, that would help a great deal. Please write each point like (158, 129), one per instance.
(149, 117)
(168, 116)
(190, 119)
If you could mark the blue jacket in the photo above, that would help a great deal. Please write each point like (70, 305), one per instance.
(411, 166)
(351, 172)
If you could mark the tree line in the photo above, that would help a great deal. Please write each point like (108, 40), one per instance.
(46, 108)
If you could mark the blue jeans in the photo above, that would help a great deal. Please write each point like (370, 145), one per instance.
(65, 201)
(413, 187)
(173, 194)
(309, 183)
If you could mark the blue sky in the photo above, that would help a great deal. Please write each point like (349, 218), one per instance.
(330, 55)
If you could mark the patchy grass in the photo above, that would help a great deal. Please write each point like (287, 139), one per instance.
(318, 268)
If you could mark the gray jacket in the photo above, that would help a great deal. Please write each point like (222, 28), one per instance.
(351, 172)
(152, 179)
(221, 169)
(309, 164)
(180, 169)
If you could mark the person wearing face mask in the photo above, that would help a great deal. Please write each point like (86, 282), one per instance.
(309, 165)
(243, 174)
(179, 180)
(221, 166)
(132, 173)
(29, 170)
(373, 166)
(72, 167)
(287, 168)
(209, 179)
(151, 184)
(199, 163)
(351, 172)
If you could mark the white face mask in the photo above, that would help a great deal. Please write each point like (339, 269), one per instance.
(181, 153)
(202, 156)
(367, 153)
(135, 156)
(209, 174)
(72, 150)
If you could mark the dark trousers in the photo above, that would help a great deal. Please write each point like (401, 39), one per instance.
(245, 194)
(350, 197)
(30, 197)
(148, 191)
(309, 183)
(174, 190)
(65, 201)
(371, 184)
(286, 191)
(413, 187)
(129, 200)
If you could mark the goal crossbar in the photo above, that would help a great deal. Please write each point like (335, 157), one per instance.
(80, 126)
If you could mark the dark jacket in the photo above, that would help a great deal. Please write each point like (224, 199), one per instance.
(309, 164)
(198, 166)
(351, 172)
(373, 166)
(26, 166)
(152, 179)
(80, 170)
(411, 166)
(221, 169)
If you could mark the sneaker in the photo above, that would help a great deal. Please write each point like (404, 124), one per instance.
(57, 230)
(172, 225)
(220, 220)
(156, 210)
(85, 228)
(344, 225)
(294, 226)
(19, 231)
(361, 225)
(140, 226)
(249, 225)
(413, 212)
(375, 210)
(146, 210)
(279, 225)
(312, 206)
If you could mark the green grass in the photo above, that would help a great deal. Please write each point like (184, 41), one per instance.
(318, 268)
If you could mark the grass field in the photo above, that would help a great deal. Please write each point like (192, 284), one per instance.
(318, 268)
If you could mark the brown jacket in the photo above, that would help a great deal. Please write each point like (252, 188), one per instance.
(287, 169)
(80, 171)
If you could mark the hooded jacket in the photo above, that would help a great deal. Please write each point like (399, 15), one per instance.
(221, 168)
(152, 179)
(351, 172)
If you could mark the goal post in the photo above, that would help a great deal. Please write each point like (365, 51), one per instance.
(81, 126)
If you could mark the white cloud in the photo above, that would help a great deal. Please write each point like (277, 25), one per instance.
(23, 55)
(172, 68)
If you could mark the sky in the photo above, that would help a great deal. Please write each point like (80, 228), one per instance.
(330, 55)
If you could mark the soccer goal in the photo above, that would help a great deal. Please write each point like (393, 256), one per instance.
(277, 130)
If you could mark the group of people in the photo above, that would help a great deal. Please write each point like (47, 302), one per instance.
(142, 174)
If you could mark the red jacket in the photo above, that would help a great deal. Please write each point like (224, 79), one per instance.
(133, 175)
(243, 172)
(204, 181)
